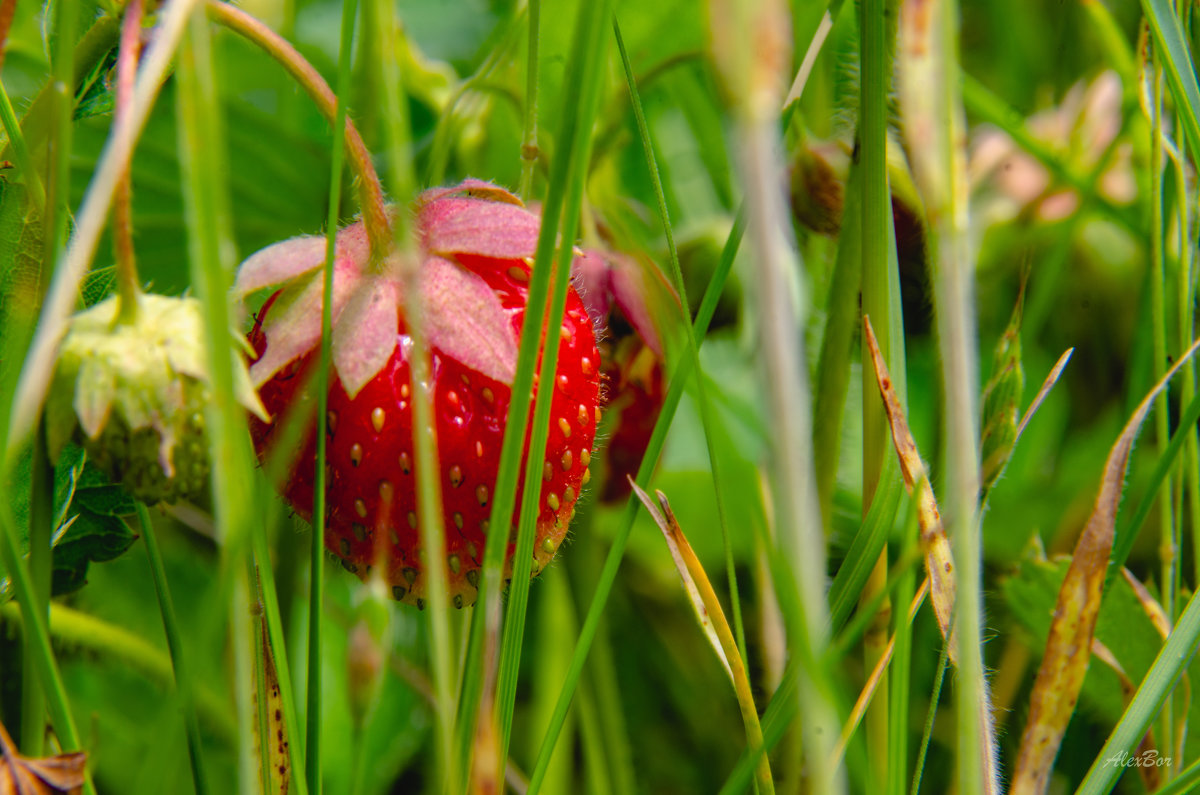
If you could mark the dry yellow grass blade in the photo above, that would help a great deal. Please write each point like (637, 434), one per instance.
(1068, 648)
(270, 721)
(939, 562)
(872, 683)
(712, 620)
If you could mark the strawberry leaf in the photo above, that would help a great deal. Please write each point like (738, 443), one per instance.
(295, 324)
(474, 226)
(363, 346)
(277, 263)
(465, 319)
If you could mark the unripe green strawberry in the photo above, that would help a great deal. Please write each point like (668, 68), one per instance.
(133, 393)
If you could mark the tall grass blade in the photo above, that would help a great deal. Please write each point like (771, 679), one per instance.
(933, 119)
(590, 57)
(693, 351)
(1064, 665)
(608, 574)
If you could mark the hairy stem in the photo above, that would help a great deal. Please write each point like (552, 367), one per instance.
(370, 190)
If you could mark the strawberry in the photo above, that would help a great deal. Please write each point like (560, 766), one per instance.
(620, 292)
(133, 391)
(476, 242)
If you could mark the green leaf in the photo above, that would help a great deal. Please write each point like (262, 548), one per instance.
(86, 537)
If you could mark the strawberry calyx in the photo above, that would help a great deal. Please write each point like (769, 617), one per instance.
(463, 317)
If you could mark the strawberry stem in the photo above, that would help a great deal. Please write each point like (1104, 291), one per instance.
(529, 142)
(127, 275)
(374, 209)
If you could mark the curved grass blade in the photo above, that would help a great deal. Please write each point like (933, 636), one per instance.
(939, 561)
(1064, 665)
(693, 350)
(676, 381)
(712, 621)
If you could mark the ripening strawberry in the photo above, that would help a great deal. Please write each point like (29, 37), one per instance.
(476, 242)
(622, 295)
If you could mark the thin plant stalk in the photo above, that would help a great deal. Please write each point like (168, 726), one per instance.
(90, 220)
(41, 530)
(876, 298)
(1157, 277)
(931, 94)
(693, 350)
(126, 261)
(486, 622)
(54, 225)
(316, 602)
(179, 658)
(429, 499)
(35, 625)
(210, 250)
(590, 57)
(612, 562)
(371, 200)
(529, 141)
(930, 716)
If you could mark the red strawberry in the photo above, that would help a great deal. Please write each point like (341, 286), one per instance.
(619, 292)
(475, 241)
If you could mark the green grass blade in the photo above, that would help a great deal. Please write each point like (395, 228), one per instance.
(210, 255)
(1179, 66)
(608, 574)
(179, 659)
(316, 601)
(693, 351)
(393, 102)
(1128, 532)
(590, 58)
(833, 362)
(36, 630)
(1168, 666)
(529, 141)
